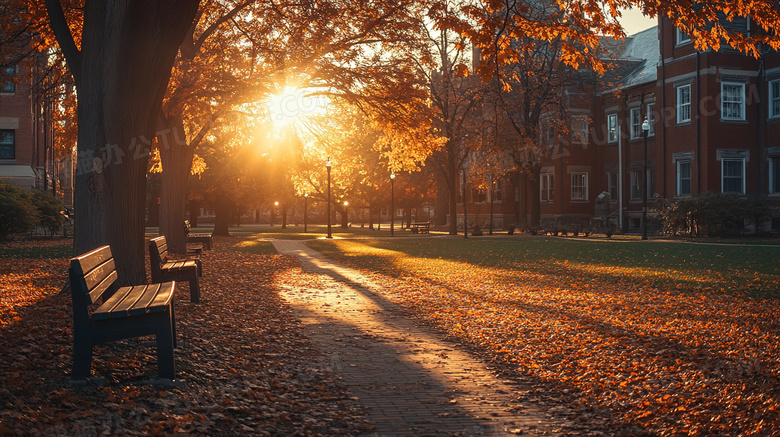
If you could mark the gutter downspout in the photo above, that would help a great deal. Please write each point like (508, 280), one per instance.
(663, 105)
(698, 157)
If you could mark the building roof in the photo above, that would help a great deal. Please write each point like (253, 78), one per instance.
(635, 60)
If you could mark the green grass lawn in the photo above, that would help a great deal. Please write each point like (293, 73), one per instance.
(666, 264)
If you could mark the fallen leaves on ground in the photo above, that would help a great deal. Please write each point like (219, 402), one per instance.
(244, 367)
(650, 360)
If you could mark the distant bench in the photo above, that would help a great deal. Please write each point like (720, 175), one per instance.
(421, 228)
(204, 239)
(165, 269)
(130, 312)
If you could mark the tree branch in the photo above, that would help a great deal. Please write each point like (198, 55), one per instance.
(59, 25)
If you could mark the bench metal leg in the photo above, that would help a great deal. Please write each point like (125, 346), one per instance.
(82, 358)
(194, 288)
(165, 344)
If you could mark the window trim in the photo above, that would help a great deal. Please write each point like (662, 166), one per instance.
(741, 102)
(723, 177)
(636, 125)
(549, 178)
(613, 197)
(584, 187)
(580, 127)
(631, 179)
(771, 99)
(679, 105)
(680, 37)
(13, 145)
(678, 178)
(612, 128)
(10, 75)
(772, 175)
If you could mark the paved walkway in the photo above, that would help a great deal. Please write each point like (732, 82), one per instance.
(413, 383)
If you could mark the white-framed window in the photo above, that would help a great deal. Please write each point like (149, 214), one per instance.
(547, 133)
(774, 98)
(732, 172)
(636, 123)
(7, 144)
(636, 184)
(579, 186)
(612, 186)
(612, 128)
(774, 175)
(579, 129)
(682, 37)
(732, 101)
(684, 103)
(478, 195)
(497, 195)
(651, 118)
(7, 84)
(547, 187)
(684, 178)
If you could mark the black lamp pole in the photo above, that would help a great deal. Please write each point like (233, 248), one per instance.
(392, 204)
(490, 199)
(305, 215)
(645, 131)
(327, 165)
(465, 208)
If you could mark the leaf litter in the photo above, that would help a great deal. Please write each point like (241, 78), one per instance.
(244, 365)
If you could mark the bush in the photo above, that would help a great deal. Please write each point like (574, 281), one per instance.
(712, 214)
(18, 213)
(477, 232)
(50, 210)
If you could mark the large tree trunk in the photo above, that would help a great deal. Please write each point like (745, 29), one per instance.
(176, 159)
(223, 213)
(121, 74)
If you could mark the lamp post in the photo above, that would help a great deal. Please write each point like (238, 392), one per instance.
(392, 204)
(305, 218)
(327, 166)
(465, 207)
(490, 199)
(345, 218)
(645, 131)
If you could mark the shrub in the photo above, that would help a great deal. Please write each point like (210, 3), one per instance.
(50, 210)
(477, 231)
(511, 230)
(18, 213)
(712, 214)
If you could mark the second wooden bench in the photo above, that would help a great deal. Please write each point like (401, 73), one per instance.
(165, 269)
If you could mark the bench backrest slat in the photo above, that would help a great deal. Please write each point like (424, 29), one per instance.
(158, 254)
(92, 274)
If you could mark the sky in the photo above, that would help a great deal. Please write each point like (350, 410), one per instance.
(633, 21)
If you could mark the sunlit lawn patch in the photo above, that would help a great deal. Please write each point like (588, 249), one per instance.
(656, 335)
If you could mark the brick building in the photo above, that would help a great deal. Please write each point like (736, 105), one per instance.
(27, 134)
(714, 126)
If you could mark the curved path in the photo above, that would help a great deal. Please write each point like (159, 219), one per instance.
(412, 382)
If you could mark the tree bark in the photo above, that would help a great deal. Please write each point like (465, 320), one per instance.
(176, 159)
(223, 212)
(121, 74)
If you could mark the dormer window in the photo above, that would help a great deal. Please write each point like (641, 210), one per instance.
(682, 37)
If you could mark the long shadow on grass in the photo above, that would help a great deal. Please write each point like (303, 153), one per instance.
(727, 371)
(381, 356)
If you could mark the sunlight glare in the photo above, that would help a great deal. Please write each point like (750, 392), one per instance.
(290, 105)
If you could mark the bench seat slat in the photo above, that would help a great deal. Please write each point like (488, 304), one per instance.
(133, 298)
(149, 302)
(162, 297)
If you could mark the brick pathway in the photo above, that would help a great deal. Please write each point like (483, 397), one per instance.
(413, 383)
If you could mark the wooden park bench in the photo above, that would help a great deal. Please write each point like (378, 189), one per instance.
(165, 269)
(130, 312)
(421, 228)
(204, 239)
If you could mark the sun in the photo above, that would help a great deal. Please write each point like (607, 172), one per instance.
(290, 105)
